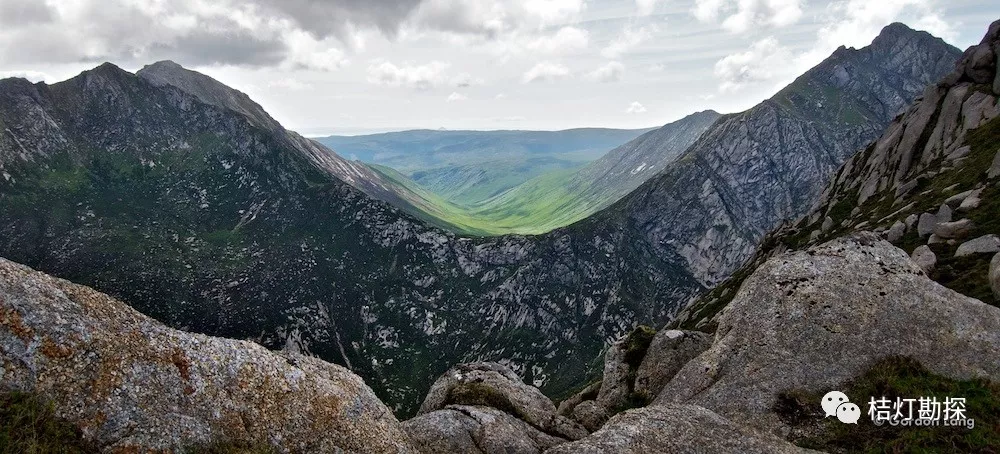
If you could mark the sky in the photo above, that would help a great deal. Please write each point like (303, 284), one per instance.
(362, 66)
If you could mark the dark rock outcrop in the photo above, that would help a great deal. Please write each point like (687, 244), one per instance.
(667, 354)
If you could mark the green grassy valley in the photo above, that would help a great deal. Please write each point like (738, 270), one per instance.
(537, 195)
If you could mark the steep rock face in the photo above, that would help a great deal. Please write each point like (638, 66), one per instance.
(130, 383)
(752, 170)
(926, 178)
(812, 320)
(674, 428)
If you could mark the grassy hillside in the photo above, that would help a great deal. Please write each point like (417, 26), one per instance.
(488, 199)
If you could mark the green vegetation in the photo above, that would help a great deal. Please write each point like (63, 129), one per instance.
(903, 378)
(545, 203)
(28, 424)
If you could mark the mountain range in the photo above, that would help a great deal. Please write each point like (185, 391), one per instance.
(185, 199)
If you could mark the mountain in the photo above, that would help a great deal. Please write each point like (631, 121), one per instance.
(215, 221)
(210, 218)
(928, 185)
(468, 167)
(557, 199)
(754, 169)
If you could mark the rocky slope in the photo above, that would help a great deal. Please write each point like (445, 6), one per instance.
(131, 384)
(928, 184)
(376, 184)
(752, 170)
(198, 210)
(205, 217)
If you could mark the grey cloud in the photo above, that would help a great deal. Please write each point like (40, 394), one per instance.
(324, 18)
(238, 47)
(24, 12)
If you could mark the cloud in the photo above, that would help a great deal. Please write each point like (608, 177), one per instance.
(761, 62)
(456, 96)
(491, 18)
(739, 16)
(855, 23)
(566, 39)
(635, 108)
(646, 7)
(290, 84)
(417, 77)
(627, 40)
(465, 80)
(545, 72)
(33, 76)
(500, 96)
(291, 34)
(610, 72)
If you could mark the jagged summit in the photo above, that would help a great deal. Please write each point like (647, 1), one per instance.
(208, 90)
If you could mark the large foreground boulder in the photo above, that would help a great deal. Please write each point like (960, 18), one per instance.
(476, 430)
(812, 320)
(667, 354)
(673, 428)
(131, 384)
(495, 385)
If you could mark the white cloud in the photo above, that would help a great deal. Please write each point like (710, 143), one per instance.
(500, 96)
(610, 72)
(289, 83)
(635, 108)
(491, 18)
(855, 23)
(464, 80)
(418, 77)
(566, 39)
(657, 68)
(456, 96)
(646, 7)
(739, 16)
(628, 40)
(545, 72)
(764, 60)
(33, 76)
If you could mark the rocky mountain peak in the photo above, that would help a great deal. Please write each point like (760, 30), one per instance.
(207, 90)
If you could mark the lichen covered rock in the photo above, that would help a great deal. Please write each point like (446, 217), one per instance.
(496, 386)
(130, 383)
(812, 320)
(672, 428)
(476, 430)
